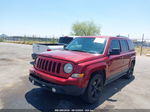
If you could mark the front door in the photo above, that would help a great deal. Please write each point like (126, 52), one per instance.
(115, 61)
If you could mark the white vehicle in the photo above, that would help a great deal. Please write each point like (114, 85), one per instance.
(39, 48)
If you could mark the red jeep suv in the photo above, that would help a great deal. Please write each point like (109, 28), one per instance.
(85, 66)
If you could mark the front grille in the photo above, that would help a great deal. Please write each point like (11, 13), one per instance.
(48, 65)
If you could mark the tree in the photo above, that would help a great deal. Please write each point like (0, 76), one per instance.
(87, 28)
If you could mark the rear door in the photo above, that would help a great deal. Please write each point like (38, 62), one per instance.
(115, 61)
(126, 54)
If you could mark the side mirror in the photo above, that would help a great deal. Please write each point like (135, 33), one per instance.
(114, 51)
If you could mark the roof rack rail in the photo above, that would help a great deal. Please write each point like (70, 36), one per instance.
(121, 36)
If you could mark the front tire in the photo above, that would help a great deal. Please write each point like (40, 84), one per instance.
(94, 89)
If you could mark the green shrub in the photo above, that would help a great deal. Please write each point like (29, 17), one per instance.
(1, 40)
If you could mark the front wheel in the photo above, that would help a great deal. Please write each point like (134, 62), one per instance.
(94, 89)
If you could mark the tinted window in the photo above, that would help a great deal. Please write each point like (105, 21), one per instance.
(114, 44)
(124, 46)
(131, 46)
(65, 40)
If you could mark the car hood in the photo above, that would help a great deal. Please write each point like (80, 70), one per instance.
(73, 56)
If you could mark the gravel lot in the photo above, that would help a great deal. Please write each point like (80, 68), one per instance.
(16, 92)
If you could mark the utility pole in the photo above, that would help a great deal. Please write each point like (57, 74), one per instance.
(142, 45)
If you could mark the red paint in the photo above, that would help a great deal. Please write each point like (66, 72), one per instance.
(49, 49)
(83, 63)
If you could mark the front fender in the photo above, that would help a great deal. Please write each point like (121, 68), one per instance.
(94, 67)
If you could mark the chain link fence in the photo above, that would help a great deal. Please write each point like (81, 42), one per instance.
(29, 39)
(141, 42)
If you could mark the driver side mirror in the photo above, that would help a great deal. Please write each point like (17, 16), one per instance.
(114, 51)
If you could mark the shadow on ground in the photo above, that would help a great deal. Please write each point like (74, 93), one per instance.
(44, 100)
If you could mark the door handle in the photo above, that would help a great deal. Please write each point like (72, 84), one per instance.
(121, 57)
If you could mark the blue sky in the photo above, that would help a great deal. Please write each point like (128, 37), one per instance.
(55, 17)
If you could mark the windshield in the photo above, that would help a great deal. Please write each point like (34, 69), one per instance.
(90, 45)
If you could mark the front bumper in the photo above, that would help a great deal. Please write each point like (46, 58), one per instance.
(62, 89)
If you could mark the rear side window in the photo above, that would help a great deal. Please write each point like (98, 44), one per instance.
(131, 45)
(114, 44)
(124, 46)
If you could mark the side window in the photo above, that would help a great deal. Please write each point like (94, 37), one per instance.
(131, 46)
(114, 44)
(124, 46)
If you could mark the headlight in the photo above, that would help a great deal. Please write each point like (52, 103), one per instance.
(68, 68)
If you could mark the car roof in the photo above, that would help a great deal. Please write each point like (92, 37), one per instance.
(70, 36)
(109, 37)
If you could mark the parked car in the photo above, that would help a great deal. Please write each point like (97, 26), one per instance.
(85, 66)
(39, 48)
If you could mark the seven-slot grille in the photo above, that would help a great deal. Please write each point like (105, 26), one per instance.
(50, 66)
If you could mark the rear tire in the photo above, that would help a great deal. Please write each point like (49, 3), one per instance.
(94, 89)
(129, 74)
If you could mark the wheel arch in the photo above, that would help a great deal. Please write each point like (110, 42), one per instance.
(133, 61)
(92, 69)
(100, 72)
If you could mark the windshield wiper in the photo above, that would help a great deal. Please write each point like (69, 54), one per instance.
(86, 51)
(66, 49)
(82, 51)
(79, 50)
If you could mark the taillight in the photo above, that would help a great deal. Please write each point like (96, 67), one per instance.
(49, 50)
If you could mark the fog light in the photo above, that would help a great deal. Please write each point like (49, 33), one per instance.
(76, 75)
(53, 90)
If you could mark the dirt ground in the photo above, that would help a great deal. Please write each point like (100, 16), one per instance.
(16, 92)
